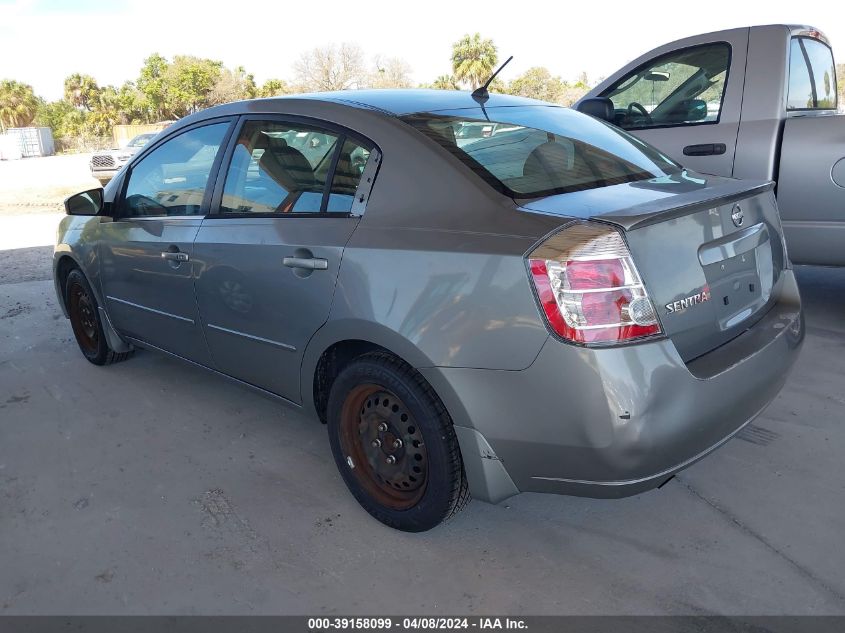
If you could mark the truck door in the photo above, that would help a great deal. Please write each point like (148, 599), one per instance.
(811, 175)
(685, 99)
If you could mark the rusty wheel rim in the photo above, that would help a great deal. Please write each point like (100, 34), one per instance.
(83, 318)
(384, 447)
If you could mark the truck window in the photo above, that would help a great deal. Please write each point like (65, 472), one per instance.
(812, 76)
(684, 87)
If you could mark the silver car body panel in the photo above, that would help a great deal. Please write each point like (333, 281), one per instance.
(436, 274)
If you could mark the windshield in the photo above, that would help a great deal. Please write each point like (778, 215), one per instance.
(140, 140)
(536, 151)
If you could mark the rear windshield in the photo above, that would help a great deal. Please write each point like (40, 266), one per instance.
(536, 151)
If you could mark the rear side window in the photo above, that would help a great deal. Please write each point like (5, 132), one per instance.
(540, 151)
(812, 76)
(680, 88)
(283, 168)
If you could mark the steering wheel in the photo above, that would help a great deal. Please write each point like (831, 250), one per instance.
(141, 205)
(638, 106)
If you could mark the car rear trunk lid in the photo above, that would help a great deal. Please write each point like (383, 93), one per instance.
(710, 257)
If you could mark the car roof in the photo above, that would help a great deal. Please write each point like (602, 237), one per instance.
(403, 101)
(388, 103)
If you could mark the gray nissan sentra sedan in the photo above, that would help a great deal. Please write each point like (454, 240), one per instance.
(553, 307)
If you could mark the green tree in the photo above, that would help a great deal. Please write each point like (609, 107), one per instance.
(443, 82)
(152, 85)
(81, 90)
(538, 83)
(474, 59)
(233, 85)
(188, 84)
(18, 104)
(840, 82)
(132, 104)
(274, 88)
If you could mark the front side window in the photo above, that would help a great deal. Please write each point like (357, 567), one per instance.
(539, 151)
(681, 88)
(283, 168)
(172, 179)
(812, 76)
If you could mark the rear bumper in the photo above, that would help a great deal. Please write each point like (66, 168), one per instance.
(618, 421)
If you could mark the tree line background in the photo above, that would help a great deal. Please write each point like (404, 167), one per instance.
(168, 89)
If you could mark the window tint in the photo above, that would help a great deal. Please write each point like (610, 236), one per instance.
(812, 76)
(171, 180)
(681, 88)
(542, 151)
(350, 165)
(282, 168)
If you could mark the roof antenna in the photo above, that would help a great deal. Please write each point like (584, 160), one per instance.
(481, 94)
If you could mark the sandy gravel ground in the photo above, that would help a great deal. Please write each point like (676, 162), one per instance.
(39, 185)
(153, 487)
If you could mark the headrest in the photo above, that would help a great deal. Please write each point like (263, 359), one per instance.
(265, 141)
(547, 160)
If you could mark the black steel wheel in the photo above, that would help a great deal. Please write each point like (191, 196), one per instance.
(85, 320)
(394, 444)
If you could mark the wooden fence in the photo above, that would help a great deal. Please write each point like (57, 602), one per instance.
(125, 133)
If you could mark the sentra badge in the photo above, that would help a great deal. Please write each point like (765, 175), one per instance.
(687, 302)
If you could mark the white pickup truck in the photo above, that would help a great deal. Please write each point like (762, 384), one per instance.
(757, 102)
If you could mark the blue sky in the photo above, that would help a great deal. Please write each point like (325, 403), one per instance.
(43, 41)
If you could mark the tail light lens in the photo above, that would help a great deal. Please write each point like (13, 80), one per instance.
(589, 286)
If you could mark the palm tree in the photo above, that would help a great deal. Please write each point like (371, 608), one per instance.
(18, 104)
(474, 59)
(445, 82)
(81, 90)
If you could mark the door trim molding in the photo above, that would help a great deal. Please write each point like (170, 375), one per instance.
(153, 310)
(252, 337)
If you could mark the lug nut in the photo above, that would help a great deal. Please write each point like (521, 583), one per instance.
(376, 443)
(397, 443)
(390, 459)
(382, 427)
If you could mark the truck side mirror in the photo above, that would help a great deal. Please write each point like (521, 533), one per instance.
(86, 203)
(598, 107)
(686, 111)
(697, 109)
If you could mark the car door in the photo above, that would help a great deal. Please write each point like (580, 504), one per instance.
(685, 99)
(270, 251)
(147, 270)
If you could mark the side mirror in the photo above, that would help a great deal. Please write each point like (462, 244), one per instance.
(696, 109)
(686, 111)
(598, 107)
(86, 203)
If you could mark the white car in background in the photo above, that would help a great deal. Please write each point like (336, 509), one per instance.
(105, 164)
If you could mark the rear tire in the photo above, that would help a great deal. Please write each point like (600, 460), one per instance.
(85, 320)
(395, 445)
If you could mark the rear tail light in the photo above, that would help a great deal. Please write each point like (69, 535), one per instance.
(589, 287)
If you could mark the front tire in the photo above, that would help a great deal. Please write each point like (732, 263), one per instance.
(395, 445)
(85, 320)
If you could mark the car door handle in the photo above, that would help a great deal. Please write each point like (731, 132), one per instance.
(175, 256)
(705, 149)
(307, 263)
